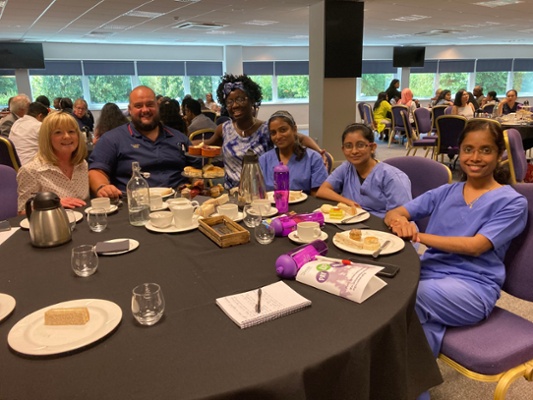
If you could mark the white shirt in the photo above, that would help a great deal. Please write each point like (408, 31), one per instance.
(25, 136)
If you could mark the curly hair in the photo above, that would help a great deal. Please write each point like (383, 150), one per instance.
(252, 89)
(111, 117)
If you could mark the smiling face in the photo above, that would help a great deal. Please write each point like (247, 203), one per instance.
(239, 105)
(143, 109)
(478, 155)
(283, 135)
(357, 149)
(64, 140)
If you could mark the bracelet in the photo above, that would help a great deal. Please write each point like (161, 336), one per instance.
(100, 187)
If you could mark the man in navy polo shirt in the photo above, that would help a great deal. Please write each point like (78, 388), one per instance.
(160, 150)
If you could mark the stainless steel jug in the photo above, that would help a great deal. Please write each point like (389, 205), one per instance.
(49, 224)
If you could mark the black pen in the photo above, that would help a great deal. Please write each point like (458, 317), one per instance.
(258, 306)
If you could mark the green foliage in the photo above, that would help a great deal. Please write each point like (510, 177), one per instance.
(293, 87)
(265, 81)
(496, 81)
(8, 88)
(171, 86)
(523, 83)
(453, 81)
(372, 84)
(109, 88)
(422, 85)
(56, 86)
(200, 85)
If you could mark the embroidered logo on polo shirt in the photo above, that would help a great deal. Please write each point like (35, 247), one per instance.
(135, 145)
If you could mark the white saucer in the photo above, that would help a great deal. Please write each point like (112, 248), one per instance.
(273, 211)
(172, 228)
(111, 210)
(239, 218)
(163, 207)
(7, 304)
(295, 238)
(24, 224)
(303, 196)
(133, 245)
(162, 191)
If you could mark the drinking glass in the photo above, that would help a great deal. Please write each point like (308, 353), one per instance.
(264, 233)
(84, 260)
(97, 219)
(71, 219)
(147, 303)
(252, 216)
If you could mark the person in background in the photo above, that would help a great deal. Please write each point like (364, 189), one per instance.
(472, 100)
(66, 104)
(25, 132)
(59, 165)
(210, 103)
(170, 113)
(509, 104)
(362, 181)
(382, 114)
(306, 168)
(478, 94)
(470, 229)
(57, 103)
(82, 115)
(462, 105)
(491, 98)
(160, 150)
(445, 98)
(111, 117)
(18, 107)
(241, 96)
(434, 99)
(393, 94)
(194, 116)
(43, 100)
(408, 101)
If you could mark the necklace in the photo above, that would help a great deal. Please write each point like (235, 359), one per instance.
(242, 133)
(478, 197)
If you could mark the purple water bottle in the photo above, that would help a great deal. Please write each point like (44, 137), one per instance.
(281, 187)
(285, 224)
(288, 265)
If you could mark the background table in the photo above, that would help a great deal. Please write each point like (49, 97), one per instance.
(336, 349)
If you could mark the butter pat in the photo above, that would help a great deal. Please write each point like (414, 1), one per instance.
(67, 316)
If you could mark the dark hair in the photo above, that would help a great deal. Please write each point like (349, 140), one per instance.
(65, 103)
(393, 83)
(252, 89)
(443, 94)
(494, 95)
(382, 96)
(192, 105)
(111, 117)
(37, 108)
(362, 128)
(298, 149)
(169, 112)
(511, 90)
(43, 100)
(457, 101)
(501, 175)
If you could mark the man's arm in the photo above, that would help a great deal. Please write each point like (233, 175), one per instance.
(100, 185)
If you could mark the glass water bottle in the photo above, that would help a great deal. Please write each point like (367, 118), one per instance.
(138, 197)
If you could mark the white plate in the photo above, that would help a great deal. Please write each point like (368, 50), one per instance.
(360, 218)
(133, 245)
(172, 228)
(239, 218)
(303, 197)
(160, 190)
(31, 336)
(111, 210)
(395, 245)
(295, 238)
(163, 207)
(24, 224)
(273, 211)
(7, 304)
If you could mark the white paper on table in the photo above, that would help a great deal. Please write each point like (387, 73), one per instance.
(7, 234)
(355, 282)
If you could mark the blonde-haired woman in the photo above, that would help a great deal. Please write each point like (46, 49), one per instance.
(59, 165)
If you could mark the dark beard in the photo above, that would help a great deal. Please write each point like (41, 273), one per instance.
(146, 127)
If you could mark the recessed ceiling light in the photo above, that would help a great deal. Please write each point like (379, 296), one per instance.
(143, 14)
(260, 22)
(220, 33)
(410, 18)
(498, 3)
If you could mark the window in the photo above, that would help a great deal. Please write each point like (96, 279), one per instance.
(376, 77)
(266, 85)
(496, 81)
(109, 81)
(164, 77)
(204, 77)
(292, 79)
(8, 86)
(422, 80)
(523, 77)
(57, 79)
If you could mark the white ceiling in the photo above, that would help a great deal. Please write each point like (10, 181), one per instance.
(444, 22)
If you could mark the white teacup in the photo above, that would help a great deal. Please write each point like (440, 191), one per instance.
(262, 205)
(101, 202)
(231, 210)
(161, 219)
(308, 230)
(183, 214)
(156, 201)
(178, 201)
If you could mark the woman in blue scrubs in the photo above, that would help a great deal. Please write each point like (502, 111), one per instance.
(362, 181)
(471, 226)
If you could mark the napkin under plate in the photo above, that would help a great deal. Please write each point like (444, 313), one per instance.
(112, 247)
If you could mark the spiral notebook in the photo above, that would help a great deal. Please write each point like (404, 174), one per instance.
(275, 300)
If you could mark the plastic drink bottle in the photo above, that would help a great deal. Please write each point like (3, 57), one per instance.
(285, 224)
(288, 265)
(281, 187)
(138, 197)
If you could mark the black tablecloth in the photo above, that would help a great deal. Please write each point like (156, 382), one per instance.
(526, 131)
(336, 349)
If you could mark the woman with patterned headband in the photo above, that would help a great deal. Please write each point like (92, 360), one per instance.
(241, 97)
(306, 168)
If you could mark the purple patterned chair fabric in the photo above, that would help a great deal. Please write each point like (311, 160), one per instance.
(8, 192)
(502, 345)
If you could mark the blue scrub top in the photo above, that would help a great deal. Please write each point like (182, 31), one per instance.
(306, 174)
(385, 188)
(164, 158)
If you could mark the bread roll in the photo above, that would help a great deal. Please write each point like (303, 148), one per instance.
(325, 208)
(67, 316)
(371, 243)
(346, 208)
(343, 239)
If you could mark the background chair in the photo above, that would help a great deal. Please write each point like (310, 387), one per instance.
(397, 126)
(201, 134)
(361, 111)
(329, 162)
(500, 348)
(8, 154)
(448, 110)
(211, 114)
(488, 108)
(515, 155)
(449, 128)
(413, 141)
(422, 117)
(425, 174)
(8, 192)
(369, 116)
(436, 112)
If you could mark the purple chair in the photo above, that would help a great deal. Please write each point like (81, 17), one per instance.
(500, 348)
(397, 126)
(413, 142)
(448, 110)
(449, 128)
(425, 174)
(436, 112)
(488, 108)
(362, 112)
(515, 155)
(8, 193)
(422, 117)
(8, 154)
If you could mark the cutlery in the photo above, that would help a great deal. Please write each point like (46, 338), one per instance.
(345, 220)
(378, 251)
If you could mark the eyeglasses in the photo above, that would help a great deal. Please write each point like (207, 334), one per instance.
(484, 151)
(239, 100)
(358, 146)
